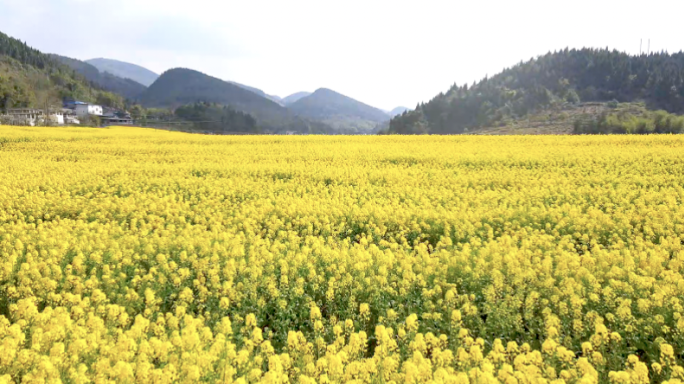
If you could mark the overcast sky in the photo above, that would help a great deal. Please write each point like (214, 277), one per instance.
(382, 52)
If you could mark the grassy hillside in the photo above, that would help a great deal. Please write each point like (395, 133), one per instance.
(339, 111)
(127, 88)
(551, 81)
(179, 87)
(30, 78)
(125, 70)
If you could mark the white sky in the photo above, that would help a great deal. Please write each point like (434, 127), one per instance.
(384, 53)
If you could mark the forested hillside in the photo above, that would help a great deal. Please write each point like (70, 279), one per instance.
(30, 78)
(564, 77)
(127, 88)
(178, 87)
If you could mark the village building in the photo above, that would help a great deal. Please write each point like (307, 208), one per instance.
(70, 117)
(71, 104)
(84, 109)
(116, 120)
(71, 113)
(33, 116)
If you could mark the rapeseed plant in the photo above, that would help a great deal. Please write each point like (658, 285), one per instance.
(137, 255)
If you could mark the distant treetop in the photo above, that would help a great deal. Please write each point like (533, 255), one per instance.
(566, 76)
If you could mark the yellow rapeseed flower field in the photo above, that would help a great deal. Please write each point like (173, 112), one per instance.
(133, 255)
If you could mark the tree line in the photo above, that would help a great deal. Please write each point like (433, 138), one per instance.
(211, 117)
(630, 123)
(565, 77)
(197, 117)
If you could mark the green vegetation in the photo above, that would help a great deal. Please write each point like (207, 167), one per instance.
(124, 87)
(628, 122)
(551, 81)
(29, 78)
(215, 118)
(343, 113)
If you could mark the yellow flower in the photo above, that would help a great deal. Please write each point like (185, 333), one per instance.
(124, 250)
(364, 310)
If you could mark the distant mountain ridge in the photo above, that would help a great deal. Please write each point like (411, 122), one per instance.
(397, 111)
(127, 88)
(180, 86)
(339, 111)
(146, 77)
(125, 70)
(293, 98)
(259, 92)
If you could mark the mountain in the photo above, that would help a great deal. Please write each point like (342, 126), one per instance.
(30, 78)
(259, 92)
(125, 70)
(339, 111)
(178, 87)
(552, 81)
(125, 87)
(293, 98)
(397, 111)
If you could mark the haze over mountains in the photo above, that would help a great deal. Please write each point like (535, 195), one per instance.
(294, 97)
(324, 111)
(259, 92)
(120, 85)
(125, 70)
(125, 87)
(552, 82)
(339, 111)
(397, 111)
(180, 86)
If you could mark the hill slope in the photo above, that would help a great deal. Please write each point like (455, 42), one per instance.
(30, 78)
(293, 98)
(551, 81)
(127, 88)
(339, 111)
(125, 70)
(180, 86)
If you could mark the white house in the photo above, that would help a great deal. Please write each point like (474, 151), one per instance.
(57, 118)
(88, 109)
(54, 118)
